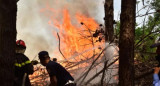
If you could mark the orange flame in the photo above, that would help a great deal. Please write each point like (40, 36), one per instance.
(76, 38)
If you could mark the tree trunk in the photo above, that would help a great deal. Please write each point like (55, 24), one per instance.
(8, 10)
(126, 43)
(109, 32)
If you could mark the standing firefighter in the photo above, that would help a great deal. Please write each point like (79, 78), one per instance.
(23, 66)
(59, 76)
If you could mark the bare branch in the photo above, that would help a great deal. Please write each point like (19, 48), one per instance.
(100, 72)
(60, 47)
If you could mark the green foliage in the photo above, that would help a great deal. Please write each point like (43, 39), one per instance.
(155, 4)
(144, 38)
(117, 29)
(146, 34)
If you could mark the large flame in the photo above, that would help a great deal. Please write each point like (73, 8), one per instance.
(77, 37)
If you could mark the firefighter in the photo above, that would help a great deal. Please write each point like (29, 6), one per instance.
(23, 66)
(59, 76)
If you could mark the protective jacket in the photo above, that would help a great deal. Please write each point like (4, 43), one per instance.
(23, 68)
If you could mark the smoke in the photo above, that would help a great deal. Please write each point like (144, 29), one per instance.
(90, 8)
(33, 27)
(32, 24)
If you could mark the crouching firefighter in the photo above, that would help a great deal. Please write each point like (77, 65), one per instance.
(59, 76)
(23, 66)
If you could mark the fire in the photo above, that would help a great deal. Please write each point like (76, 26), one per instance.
(39, 75)
(76, 35)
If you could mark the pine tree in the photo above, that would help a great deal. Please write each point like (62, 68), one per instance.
(8, 10)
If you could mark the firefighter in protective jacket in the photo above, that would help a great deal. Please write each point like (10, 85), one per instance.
(23, 66)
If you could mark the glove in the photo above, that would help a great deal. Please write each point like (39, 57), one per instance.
(34, 62)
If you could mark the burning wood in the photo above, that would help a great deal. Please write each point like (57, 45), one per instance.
(40, 77)
(82, 50)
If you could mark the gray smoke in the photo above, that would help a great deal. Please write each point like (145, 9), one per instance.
(32, 25)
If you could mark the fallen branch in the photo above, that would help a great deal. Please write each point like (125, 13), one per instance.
(92, 65)
(103, 75)
(86, 72)
(77, 63)
(100, 71)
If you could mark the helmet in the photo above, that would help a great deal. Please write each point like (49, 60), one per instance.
(20, 43)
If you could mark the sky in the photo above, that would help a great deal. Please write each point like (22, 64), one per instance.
(33, 27)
